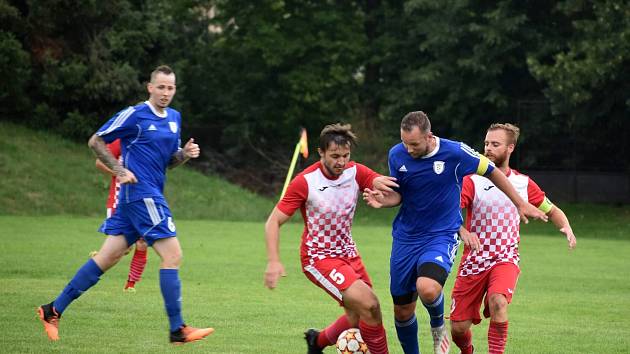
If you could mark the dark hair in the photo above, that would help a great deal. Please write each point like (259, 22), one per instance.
(416, 119)
(340, 134)
(164, 69)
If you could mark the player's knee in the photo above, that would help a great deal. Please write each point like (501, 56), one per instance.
(403, 313)
(459, 328)
(431, 279)
(172, 260)
(498, 303)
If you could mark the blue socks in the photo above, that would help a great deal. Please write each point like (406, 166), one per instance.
(85, 278)
(172, 293)
(436, 311)
(407, 332)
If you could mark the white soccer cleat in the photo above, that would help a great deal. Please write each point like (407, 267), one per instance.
(441, 344)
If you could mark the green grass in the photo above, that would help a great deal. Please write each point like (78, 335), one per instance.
(43, 174)
(566, 302)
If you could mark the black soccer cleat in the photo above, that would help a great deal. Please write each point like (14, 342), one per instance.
(311, 335)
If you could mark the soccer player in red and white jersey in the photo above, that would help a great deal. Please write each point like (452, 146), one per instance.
(139, 260)
(489, 268)
(326, 194)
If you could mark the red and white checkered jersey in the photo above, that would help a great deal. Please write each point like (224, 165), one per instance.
(114, 188)
(494, 218)
(327, 206)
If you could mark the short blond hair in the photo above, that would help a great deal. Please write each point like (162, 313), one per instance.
(511, 130)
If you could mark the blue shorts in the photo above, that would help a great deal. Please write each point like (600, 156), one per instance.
(146, 218)
(407, 258)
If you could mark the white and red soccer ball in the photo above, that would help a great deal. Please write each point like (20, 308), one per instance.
(350, 342)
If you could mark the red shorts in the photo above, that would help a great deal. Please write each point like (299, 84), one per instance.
(469, 291)
(335, 275)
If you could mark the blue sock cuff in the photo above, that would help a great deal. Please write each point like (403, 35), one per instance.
(406, 323)
(435, 302)
(93, 268)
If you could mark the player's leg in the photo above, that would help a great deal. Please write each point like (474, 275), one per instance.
(402, 287)
(502, 284)
(86, 277)
(431, 279)
(170, 252)
(433, 266)
(137, 265)
(152, 219)
(467, 296)
(331, 275)
(359, 298)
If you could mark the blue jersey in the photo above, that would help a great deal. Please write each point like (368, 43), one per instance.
(430, 188)
(148, 141)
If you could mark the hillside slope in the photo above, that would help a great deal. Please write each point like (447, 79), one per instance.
(43, 174)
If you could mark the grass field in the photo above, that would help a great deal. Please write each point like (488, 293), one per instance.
(566, 302)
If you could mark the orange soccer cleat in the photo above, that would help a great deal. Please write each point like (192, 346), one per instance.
(187, 334)
(50, 319)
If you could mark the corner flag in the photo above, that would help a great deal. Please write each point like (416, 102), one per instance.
(300, 147)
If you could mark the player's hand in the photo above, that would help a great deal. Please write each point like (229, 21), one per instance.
(125, 176)
(191, 149)
(373, 197)
(274, 271)
(470, 239)
(532, 212)
(568, 232)
(385, 183)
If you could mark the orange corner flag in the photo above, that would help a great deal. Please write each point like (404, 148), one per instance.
(304, 144)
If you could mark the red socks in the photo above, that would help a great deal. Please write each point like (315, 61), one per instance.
(329, 335)
(497, 336)
(464, 343)
(374, 337)
(138, 263)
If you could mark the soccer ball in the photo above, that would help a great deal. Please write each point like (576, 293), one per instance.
(350, 342)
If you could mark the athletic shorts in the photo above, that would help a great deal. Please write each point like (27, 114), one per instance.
(335, 275)
(146, 218)
(470, 291)
(406, 259)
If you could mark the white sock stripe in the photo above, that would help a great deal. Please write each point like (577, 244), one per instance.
(407, 323)
(322, 280)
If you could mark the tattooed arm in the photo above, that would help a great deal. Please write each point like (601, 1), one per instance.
(189, 151)
(97, 144)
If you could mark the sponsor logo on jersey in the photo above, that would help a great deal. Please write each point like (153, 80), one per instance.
(173, 126)
(402, 168)
(152, 127)
(510, 291)
(322, 189)
(438, 167)
(439, 258)
(488, 188)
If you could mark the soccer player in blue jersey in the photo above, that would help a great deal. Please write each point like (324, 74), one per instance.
(429, 171)
(150, 139)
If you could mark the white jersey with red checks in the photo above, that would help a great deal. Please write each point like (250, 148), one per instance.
(494, 218)
(328, 207)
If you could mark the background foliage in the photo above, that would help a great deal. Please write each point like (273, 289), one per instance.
(251, 73)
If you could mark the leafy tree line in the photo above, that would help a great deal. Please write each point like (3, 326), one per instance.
(251, 73)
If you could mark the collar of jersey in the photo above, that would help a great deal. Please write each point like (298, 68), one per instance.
(161, 115)
(435, 151)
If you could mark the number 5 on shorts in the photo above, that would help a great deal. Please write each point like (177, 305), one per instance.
(337, 277)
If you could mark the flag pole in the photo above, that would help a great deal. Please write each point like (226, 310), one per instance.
(301, 146)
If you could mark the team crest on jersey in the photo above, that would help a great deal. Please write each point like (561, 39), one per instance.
(173, 126)
(438, 167)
